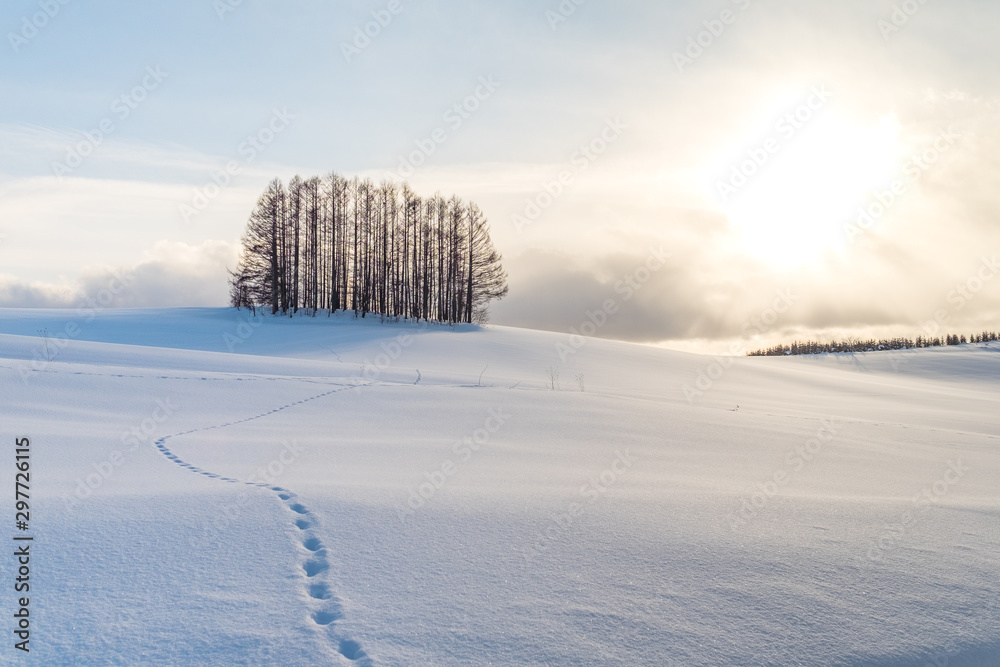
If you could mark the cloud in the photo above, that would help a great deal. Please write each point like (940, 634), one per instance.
(687, 299)
(557, 292)
(171, 274)
(652, 187)
(15, 293)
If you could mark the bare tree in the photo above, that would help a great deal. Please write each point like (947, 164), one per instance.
(336, 244)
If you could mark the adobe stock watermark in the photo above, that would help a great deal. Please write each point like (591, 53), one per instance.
(579, 162)
(755, 326)
(372, 368)
(455, 116)
(248, 150)
(132, 439)
(464, 450)
(900, 17)
(968, 290)
(223, 7)
(703, 40)
(243, 331)
(86, 311)
(562, 12)
(786, 128)
(35, 23)
(913, 170)
(962, 294)
(121, 108)
(589, 493)
(959, 297)
(893, 533)
(266, 475)
(627, 287)
(363, 35)
(795, 460)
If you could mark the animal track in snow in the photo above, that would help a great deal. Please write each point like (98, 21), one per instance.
(320, 591)
(316, 566)
(326, 618)
(326, 609)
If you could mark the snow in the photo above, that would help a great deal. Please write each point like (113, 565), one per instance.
(604, 526)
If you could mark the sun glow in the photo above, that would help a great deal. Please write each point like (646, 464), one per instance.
(789, 198)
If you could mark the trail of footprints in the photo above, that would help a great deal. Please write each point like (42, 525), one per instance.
(226, 377)
(325, 608)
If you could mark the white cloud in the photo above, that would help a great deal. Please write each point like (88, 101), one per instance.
(170, 274)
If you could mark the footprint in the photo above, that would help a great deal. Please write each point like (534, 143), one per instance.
(351, 650)
(315, 567)
(320, 591)
(317, 563)
(326, 618)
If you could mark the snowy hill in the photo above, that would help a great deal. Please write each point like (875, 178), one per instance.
(209, 489)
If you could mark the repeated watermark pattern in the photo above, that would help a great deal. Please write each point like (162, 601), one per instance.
(912, 171)
(714, 28)
(595, 320)
(87, 312)
(900, 17)
(754, 326)
(455, 116)
(121, 108)
(588, 494)
(33, 24)
(562, 13)
(267, 474)
(463, 450)
(364, 34)
(757, 157)
(549, 191)
(893, 533)
(142, 433)
(964, 292)
(224, 7)
(248, 150)
(795, 460)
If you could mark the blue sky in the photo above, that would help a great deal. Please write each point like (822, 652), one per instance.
(896, 81)
(226, 75)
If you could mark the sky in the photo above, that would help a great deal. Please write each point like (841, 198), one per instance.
(711, 176)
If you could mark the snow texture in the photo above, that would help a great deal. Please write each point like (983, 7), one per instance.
(213, 489)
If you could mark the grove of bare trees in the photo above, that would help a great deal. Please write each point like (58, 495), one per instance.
(334, 243)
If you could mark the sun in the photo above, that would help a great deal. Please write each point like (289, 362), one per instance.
(789, 198)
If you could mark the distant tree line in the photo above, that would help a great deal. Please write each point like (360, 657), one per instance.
(871, 345)
(334, 243)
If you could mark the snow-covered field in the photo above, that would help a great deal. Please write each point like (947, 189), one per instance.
(208, 490)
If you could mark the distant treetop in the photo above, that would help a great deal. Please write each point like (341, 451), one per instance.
(871, 345)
